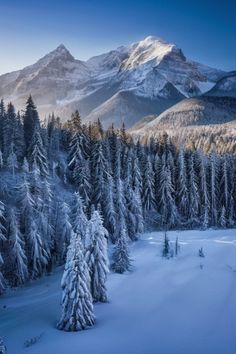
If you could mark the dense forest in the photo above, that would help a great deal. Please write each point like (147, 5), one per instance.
(58, 180)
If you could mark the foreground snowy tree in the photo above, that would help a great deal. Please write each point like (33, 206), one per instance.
(77, 303)
(96, 257)
(121, 258)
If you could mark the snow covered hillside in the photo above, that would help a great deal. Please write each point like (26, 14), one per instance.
(182, 305)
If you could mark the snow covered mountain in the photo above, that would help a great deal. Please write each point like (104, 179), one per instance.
(196, 111)
(225, 86)
(122, 85)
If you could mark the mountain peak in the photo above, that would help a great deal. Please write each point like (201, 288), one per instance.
(61, 46)
(149, 49)
(61, 50)
(154, 40)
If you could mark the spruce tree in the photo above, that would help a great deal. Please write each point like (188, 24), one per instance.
(31, 121)
(2, 123)
(110, 216)
(63, 231)
(79, 219)
(194, 197)
(18, 261)
(148, 187)
(96, 257)
(222, 220)
(98, 172)
(203, 191)
(12, 163)
(182, 186)
(121, 258)
(214, 188)
(9, 131)
(37, 154)
(3, 283)
(167, 206)
(166, 246)
(77, 305)
(39, 256)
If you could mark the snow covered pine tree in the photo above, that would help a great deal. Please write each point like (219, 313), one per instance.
(121, 257)
(96, 256)
(77, 303)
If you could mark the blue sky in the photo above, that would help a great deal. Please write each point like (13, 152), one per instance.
(205, 30)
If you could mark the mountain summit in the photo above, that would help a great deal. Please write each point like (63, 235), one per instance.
(124, 84)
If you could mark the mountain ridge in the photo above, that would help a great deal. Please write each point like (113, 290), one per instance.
(151, 69)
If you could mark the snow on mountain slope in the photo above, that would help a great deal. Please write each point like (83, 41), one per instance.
(149, 49)
(202, 110)
(225, 86)
(58, 82)
(129, 106)
(184, 305)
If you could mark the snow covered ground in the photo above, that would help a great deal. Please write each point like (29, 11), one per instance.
(184, 305)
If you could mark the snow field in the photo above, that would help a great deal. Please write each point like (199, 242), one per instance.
(183, 305)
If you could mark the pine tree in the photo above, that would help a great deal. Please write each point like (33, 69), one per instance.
(12, 163)
(96, 257)
(222, 220)
(79, 219)
(1, 160)
(31, 121)
(119, 196)
(38, 254)
(182, 186)
(134, 214)
(121, 258)
(63, 231)
(167, 206)
(98, 172)
(82, 179)
(36, 153)
(9, 131)
(77, 306)
(166, 246)
(32, 223)
(2, 123)
(110, 216)
(148, 180)
(214, 188)
(18, 260)
(203, 191)
(25, 166)
(194, 198)
(19, 142)
(3, 283)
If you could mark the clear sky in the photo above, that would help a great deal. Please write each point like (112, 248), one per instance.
(205, 30)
